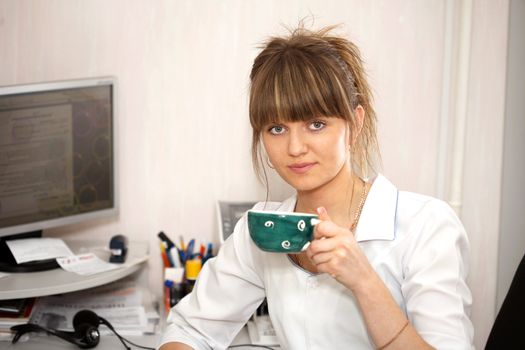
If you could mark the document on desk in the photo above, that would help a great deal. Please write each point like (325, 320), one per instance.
(2, 274)
(129, 319)
(33, 249)
(121, 306)
(86, 264)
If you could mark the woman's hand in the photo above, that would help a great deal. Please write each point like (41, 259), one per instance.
(335, 251)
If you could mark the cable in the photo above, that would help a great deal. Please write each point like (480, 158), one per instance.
(251, 345)
(122, 339)
(138, 346)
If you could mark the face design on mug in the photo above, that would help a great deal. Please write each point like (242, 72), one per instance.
(281, 232)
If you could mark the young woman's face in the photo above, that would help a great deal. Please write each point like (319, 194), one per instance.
(310, 154)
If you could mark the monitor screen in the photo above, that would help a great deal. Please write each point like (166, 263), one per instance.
(57, 159)
(229, 213)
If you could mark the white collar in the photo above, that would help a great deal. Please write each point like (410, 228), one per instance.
(377, 221)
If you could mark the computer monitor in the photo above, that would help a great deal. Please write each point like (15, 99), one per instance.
(57, 158)
(228, 213)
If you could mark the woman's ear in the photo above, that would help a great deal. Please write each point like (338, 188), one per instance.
(359, 114)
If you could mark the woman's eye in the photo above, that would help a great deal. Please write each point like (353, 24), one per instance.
(317, 125)
(276, 130)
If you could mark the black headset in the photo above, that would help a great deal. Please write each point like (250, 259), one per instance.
(85, 334)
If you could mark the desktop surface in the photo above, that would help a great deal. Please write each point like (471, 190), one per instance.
(35, 284)
(107, 342)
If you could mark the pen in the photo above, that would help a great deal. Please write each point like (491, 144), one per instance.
(189, 249)
(202, 251)
(182, 256)
(168, 294)
(182, 246)
(174, 255)
(209, 253)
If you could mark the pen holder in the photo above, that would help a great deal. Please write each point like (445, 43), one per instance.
(193, 267)
(174, 286)
(178, 282)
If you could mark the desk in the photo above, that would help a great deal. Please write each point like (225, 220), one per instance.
(59, 281)
(107, 342)
(35, 284)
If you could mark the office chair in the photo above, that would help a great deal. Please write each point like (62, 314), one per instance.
(508, 330)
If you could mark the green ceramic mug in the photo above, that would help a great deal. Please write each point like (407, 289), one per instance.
(281, 232)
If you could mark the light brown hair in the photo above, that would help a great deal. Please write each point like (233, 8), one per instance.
(309, 74)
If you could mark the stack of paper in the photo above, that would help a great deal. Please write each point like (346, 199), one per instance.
(12, 313)
(127, 307)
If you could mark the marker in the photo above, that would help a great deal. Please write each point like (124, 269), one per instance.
(164, 256)
(164, 238)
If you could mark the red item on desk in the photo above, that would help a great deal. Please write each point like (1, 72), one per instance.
(167, 293)
(164, 256)
(202, 251)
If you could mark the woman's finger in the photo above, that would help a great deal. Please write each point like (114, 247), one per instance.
(322, 245)
(321, 258)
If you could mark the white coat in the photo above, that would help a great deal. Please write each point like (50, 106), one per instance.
(416, 244)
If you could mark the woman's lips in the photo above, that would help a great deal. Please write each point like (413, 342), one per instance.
(301, 168)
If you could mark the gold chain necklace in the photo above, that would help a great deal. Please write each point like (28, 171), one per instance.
(359, 208)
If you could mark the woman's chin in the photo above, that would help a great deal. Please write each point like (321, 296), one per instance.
(304, 185)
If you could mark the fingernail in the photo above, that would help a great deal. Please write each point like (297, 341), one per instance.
(314, 222)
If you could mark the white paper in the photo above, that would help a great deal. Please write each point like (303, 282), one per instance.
(61, 317)
(114, 295)
(32, 249)
(120, 304)
(86, 264)
(2, 275)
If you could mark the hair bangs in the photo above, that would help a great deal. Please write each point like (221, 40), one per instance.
(295, 87)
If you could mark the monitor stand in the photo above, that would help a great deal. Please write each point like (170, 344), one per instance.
(9, 264)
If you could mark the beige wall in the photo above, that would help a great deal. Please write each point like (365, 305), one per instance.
(184, 134)
(512, 239)
(483, 155)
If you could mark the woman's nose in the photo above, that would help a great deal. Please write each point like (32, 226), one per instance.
(296, 143)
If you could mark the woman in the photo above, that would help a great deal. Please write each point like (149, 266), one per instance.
(386, 268)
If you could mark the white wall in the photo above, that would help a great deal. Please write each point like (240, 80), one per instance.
(183, 70)
(483, 155)
(512, 237)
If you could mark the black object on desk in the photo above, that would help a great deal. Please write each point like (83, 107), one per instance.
(119, 249)
(9, 264)
(86, 334)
